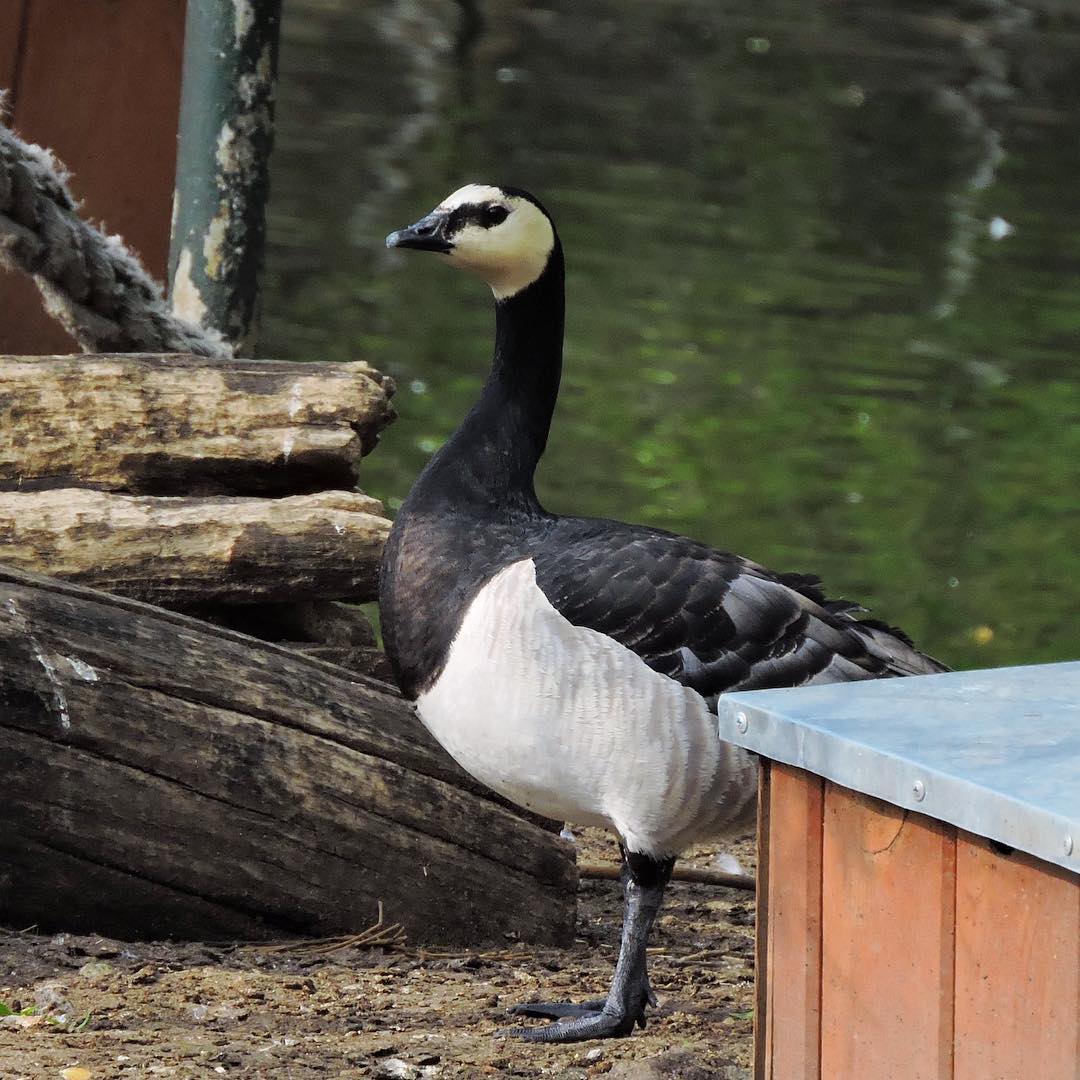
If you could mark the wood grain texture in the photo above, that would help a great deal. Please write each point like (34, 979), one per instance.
(100, 85)
(168, 425)
(888, 895)
(793, 1007)
(12, 19)
(762, 929)
(182, 552)
(1017, 966)
(167, 777)
(338, 633)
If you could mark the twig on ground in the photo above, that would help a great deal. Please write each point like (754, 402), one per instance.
(610, 872)
(379, 934)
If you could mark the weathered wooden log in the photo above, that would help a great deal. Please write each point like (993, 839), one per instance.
(339, 633)
(168, 425)
(366, 659)
(166, 777)
(313, 622)
(179, 552)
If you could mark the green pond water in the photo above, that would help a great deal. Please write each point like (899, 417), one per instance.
(823, 274)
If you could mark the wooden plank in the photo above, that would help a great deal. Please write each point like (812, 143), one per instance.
(12, 20)
(761, 926)
(1017, 966)
(888, 896)
(793, 1005)
(99, 84)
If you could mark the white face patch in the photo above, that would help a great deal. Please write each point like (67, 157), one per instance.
(508, 256)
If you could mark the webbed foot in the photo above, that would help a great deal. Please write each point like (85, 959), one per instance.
(643, 889)
(555, 1010)
(577, 1024)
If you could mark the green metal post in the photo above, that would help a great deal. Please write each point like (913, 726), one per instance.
(226, 132)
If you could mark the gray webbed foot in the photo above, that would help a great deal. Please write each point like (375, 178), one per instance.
(602, 1024)
(555, 1010)
(643, 889)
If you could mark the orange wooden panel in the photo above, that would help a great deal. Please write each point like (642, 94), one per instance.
(99, 84)
(1017, 966)
(888, 895)
(11, 22)
(761, 924)
(792, 1042)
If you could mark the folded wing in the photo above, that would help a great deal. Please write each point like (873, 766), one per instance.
(711, 620)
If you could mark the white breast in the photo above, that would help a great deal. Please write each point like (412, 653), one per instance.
(571, 724)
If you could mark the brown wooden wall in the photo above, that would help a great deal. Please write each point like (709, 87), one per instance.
(98, 82)
(891, 945)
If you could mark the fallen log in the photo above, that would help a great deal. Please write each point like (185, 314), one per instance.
(182, 552)
(186, 425)
(314, 622)
(339, 633)
(367, 659)
(165, 777)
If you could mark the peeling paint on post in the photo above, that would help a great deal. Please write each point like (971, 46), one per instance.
(226, 132)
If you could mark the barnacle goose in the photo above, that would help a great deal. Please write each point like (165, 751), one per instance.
(572, 664)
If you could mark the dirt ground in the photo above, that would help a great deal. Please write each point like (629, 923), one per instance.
(117, 1009)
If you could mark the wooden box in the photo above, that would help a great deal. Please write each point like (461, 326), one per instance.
(919, 882)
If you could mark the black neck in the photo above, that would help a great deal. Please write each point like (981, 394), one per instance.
(492, 457)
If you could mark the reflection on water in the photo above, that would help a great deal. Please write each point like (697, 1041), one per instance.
(824, 273)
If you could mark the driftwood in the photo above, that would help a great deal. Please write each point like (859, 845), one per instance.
(182, 552)
(167, 777)
(184, 425)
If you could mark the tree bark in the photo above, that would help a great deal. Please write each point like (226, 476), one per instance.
(167, 777)
(182, 552)
(339, 633)
(169, 425)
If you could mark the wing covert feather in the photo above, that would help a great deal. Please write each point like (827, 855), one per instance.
(709, 619)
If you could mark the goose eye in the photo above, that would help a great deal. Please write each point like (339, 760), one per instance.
(493, 215)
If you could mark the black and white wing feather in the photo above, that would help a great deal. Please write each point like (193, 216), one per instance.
(711, 620)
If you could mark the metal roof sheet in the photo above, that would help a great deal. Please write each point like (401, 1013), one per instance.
(994, 752)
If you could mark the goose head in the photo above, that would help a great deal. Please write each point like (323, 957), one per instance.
(501, 234)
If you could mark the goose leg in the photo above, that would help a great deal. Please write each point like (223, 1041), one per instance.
(644, 880)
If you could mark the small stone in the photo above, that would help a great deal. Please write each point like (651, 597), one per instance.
(76, 1073)
(51, 998)
(396, 1068)
(96, 970)
(18, 1020)
(229, 1013)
